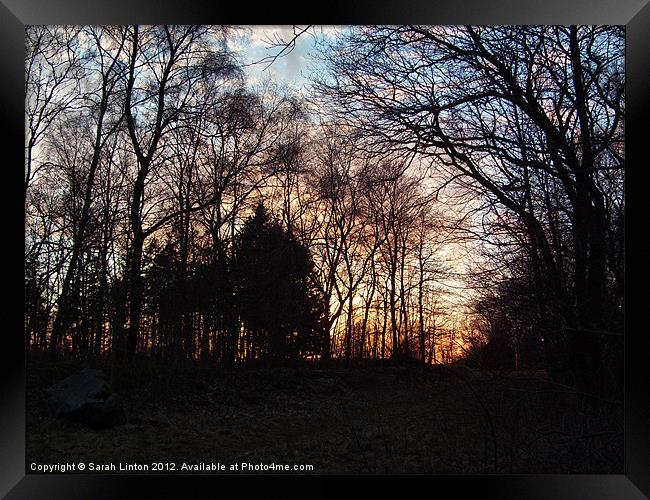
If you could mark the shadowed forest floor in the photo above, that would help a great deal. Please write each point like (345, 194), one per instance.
(361, 419)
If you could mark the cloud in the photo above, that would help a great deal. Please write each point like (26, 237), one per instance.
(263, 36)
(255, 45)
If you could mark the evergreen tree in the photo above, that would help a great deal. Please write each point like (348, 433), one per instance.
(280, 306)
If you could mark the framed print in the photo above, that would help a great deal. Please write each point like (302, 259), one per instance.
(394, 243)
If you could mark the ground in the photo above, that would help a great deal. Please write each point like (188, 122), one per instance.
(340, 419)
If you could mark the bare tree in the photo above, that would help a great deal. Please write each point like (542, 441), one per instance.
(52, 76)
(498, 106)
(164, 66)
(103, 73)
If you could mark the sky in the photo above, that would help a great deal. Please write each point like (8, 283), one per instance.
(254, 46)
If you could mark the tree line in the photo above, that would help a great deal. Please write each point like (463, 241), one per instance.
(154, 168)
(153, 153)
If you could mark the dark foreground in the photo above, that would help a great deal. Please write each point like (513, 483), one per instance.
(362, 419)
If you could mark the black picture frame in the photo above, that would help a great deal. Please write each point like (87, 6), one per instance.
(634, 14)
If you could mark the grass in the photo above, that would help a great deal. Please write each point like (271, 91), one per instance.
(371, 418)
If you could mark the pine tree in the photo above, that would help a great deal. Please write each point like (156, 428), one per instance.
(280, 307)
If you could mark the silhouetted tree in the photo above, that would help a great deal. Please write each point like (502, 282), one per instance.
(142, 134)
(531, 117)
(509, 325)
(36, 311)
(280, 306)
(162, 293)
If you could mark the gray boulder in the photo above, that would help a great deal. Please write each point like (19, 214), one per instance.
(86, 398)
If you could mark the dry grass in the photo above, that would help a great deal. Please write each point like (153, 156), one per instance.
(362, 419)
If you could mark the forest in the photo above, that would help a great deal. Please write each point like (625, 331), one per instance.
(429, 195)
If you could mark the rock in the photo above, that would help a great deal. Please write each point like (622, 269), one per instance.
(100, 414)
(86, 398)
